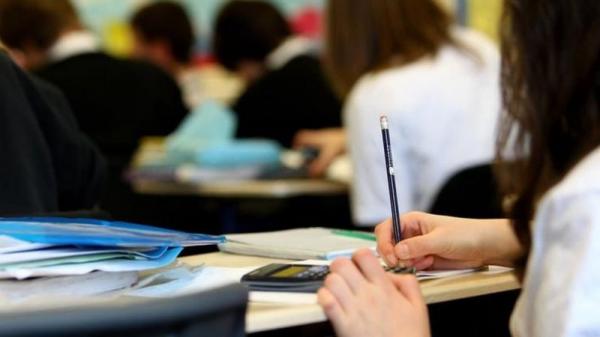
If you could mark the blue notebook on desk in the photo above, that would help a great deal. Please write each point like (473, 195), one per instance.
(91, 232)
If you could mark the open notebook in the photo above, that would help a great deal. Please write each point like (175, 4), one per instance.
(299, 244)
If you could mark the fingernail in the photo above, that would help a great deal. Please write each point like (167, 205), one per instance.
(402, 251)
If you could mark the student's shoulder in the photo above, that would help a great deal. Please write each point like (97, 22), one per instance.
(303, 61)
(287, 79)
(301, 68)
(389, 85)
(8, 68)
(101, 64)
(140, 70)
(569, 211)
(473, 38)
(5, 61)
(77, 70)
(147, 76)
(13, 76)
(75, 62)
(581, 181)
(476, 42)
(141, 66)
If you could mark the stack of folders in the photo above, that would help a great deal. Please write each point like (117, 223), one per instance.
(107, 255)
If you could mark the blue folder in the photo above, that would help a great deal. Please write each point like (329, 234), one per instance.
(91, 232)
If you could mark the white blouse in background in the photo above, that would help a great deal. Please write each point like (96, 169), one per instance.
(443, 113)
(561, 290)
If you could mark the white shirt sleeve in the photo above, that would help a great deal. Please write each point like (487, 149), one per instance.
(561, 294)
(370, 194)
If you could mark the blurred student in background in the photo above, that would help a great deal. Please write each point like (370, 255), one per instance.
(439, 85)
(164, 35)
(286, 88)
(48, 165)
(114, 101)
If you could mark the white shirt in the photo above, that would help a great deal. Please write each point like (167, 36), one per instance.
(191, 82)
(561, 290)
(290, 48)
(73, 43)
(443, 113)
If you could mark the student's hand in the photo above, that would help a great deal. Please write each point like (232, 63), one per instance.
(440, 242)
(330, 142)
(361, 299)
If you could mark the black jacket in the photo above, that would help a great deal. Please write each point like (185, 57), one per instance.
(46, 164)
(116, 102)
(294, 97)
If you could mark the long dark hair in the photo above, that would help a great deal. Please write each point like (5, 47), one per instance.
(371, 35)
(551, 93)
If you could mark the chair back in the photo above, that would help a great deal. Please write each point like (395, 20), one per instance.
(219, 312)
(470, 193)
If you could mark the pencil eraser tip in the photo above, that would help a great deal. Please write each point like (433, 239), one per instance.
(384, 122)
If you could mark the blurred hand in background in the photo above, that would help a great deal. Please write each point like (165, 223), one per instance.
(330, 143)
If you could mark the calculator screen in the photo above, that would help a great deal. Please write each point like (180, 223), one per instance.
(288, 272)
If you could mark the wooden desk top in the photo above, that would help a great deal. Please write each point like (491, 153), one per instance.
(152, 148)
(267, 316)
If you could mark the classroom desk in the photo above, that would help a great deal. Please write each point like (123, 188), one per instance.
(243, 189)
(264, 317)
(152, 148)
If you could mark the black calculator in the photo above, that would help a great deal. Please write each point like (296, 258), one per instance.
(286, 278)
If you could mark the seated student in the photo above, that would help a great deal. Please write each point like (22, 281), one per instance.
(164, 35)
(437, 83)
(286, 88)
(551, 54)
(48, 165)
(116, 102)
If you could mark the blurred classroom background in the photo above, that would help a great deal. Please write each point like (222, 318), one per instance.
(232, 206)
(109, 18)
(192, 146)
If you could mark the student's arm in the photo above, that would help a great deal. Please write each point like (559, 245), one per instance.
(331, 143)
(441, 242)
